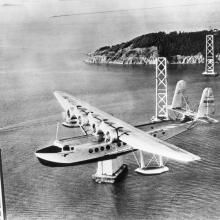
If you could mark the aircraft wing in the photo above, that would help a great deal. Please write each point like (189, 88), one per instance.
(132, 136)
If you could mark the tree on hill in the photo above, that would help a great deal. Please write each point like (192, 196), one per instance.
(173, 43)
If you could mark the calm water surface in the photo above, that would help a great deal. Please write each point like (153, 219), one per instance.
(33, 191)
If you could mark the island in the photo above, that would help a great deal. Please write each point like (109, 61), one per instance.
(177, 47)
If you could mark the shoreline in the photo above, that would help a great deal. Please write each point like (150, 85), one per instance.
(191, 61)
(137, 64)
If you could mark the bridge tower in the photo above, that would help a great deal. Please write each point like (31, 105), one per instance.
(210, 59)
(109, 171)
(161, 112)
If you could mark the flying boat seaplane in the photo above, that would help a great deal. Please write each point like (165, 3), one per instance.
(107, 137)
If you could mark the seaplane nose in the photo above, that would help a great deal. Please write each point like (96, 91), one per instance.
(40, 153)
(37, 154)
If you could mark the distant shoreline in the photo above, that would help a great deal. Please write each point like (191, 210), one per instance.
(178, 48)
(138, 64)
(92, 59)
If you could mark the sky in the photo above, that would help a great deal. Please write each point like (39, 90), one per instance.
(104, 22)
(184, 14)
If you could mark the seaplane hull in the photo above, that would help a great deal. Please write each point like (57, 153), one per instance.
(79, 154)
(57, 161)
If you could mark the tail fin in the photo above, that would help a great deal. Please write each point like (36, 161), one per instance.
(178, 98)
(207, 104)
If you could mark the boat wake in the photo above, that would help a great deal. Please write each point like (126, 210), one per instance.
(29, 123)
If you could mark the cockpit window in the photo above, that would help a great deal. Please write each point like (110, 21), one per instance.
(66, 148)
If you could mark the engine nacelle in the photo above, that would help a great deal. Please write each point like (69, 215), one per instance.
(110, 133)
(70, 118)
(94, 123)
(69, 115)
(82, 118)
(76, 116)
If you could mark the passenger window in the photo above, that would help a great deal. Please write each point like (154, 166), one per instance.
(108, 147)
(66, 148)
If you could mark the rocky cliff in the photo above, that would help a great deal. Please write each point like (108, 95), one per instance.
(124, 56)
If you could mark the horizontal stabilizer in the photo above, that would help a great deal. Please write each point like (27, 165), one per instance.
(207, 120)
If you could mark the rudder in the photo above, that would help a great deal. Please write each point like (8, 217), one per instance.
(178, 98)
(207, 104)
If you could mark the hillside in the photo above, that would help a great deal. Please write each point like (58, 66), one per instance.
(178, 47)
